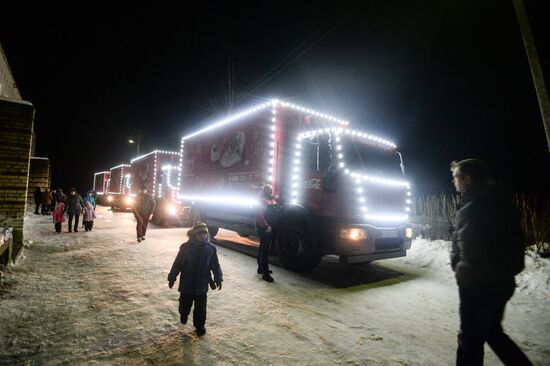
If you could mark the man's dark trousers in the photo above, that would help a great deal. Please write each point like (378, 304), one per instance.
(199, 310)
(481, 313)
(263, 252)
(76, 218)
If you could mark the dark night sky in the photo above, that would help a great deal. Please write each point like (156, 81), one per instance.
(444, 80)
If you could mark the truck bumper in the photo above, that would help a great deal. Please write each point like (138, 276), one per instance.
(371, 257)
(380, 243)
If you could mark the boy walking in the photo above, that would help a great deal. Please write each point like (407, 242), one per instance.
(195, 260)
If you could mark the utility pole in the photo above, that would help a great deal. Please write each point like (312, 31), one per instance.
(534, 64)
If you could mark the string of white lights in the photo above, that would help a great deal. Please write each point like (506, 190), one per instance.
(359, 178)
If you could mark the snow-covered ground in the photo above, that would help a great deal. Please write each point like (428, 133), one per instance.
(101, 298)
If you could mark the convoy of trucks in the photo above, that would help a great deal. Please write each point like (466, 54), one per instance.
(152, 171)
(339, 191)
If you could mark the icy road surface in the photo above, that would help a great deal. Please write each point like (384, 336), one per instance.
(101, 298)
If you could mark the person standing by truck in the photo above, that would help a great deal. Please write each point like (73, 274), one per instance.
(487, 252)
(74, 208)
(265, 222)
(143, 208)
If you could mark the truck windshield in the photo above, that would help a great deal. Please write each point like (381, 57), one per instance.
(372, 160)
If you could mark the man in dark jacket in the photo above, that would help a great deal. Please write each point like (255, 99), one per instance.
(265, 222)
(73, 208)
(195, 260)
(37, 199)
(487, 252)
(143, 208)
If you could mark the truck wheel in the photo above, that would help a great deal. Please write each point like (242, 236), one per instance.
(194, 217)
(295, 246)
(213, 231)
(158, 220)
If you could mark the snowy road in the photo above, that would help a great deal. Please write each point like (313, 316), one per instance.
(101, 298)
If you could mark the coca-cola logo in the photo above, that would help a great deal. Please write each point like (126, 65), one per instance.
(314, 183)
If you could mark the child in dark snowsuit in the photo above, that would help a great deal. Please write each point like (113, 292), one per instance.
(195, 260)
(89, 216)
(58, 217)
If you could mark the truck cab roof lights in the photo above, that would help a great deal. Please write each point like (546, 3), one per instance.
(106, 172)
(354, 133)
(227, 200)
(312, 112)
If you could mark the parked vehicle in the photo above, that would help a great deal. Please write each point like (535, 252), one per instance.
(158, 172)
(101, 187)
(339, 191)
(118, 196)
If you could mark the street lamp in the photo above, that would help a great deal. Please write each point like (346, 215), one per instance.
(137, 145)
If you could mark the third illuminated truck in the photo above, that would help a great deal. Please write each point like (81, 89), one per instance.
(339, 190)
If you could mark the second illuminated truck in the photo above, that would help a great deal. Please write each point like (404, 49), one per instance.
(340, 191)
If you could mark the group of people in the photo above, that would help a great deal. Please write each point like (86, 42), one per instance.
(60, 205)
(487, 252)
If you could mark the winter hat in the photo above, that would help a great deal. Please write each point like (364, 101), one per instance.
(200, 227)
(267, 190)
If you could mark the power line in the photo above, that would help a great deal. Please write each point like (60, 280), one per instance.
(266, 78)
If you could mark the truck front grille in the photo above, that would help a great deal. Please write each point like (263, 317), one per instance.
(388, 244)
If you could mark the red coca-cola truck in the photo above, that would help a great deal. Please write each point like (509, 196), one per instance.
(101, 183)
(157, 171)
(119, 188)
(339, 190)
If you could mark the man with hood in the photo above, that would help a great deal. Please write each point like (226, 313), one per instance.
(487, 252)
(196, 260)
(143, 208)
(37, 199)
(265, 221)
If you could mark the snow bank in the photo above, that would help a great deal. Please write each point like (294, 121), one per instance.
(535, 278)
(433, 255)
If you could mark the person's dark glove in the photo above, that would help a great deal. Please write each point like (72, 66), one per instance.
(170, 284)
(219, 284)
(212, 284)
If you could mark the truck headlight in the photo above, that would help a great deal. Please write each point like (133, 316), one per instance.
(409, 233)
(353, 234)
(110, 198)
(129, 200)
(171, 209)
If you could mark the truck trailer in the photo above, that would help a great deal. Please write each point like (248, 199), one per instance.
(101, 187)
(157, 171)
(119, 188)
